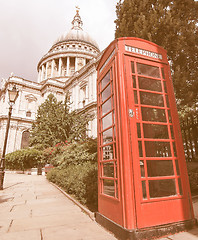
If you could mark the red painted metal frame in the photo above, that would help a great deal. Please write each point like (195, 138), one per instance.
(126, 206)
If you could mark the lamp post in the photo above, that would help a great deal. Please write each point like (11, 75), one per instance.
(13, 94)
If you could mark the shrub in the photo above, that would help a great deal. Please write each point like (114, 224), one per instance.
(76, 153)
(23, 159)
(76, 171)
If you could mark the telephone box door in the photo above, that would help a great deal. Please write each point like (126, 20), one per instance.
(157, 162)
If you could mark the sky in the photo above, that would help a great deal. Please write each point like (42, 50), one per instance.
(28, 29)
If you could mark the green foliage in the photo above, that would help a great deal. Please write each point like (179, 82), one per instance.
(76, 171)
(55, 123)
(75, 153)
(23, 159)
(173, 25)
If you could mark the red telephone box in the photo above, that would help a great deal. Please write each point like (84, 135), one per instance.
(143, 181)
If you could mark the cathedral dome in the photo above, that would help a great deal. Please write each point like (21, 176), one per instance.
(77, 33)
(69, 53)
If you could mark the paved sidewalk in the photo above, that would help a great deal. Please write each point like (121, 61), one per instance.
(31, 208)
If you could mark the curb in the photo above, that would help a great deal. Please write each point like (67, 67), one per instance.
(83, 208)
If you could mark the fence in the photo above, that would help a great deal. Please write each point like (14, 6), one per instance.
(189, 128)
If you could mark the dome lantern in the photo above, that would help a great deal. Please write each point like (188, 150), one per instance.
(77, 22)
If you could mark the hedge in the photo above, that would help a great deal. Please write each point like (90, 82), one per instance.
(23, 159)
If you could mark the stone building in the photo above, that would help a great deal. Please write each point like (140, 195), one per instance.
(68, 67)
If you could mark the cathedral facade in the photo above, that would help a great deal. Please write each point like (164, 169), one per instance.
(68, 67)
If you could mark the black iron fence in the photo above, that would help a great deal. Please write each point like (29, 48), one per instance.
(189, 128)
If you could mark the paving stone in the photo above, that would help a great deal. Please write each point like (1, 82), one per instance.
(49, 221)
(194, 231)
(183, 236)
(29, 235)
(75, 233)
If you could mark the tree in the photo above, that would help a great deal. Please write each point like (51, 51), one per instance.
(173, 25)
(55, 123)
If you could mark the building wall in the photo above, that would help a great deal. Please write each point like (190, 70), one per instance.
(81, 87)
(68, 67)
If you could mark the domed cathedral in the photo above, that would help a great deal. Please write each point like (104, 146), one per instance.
(69, 53)
(68, 67)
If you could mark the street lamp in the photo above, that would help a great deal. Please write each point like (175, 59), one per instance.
(13, 94)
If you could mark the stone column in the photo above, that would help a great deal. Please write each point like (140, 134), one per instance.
(42, 73)
(90, 87)
(76, 64)
(60, 67)
(39, 76)
(86, 94)
(46, 69)
(52, 68)
(77, 97)
(68, 62)
(94, 79)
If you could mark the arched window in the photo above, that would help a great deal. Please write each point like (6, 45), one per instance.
(28, 114)
(25, 139)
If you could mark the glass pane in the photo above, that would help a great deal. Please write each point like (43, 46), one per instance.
(155, 131)
(151, 99)
(156, 168)
(115, 169)
(135, 97)
(172, 132)
(148, 70)
(106, 93)
(115, 152)
(169, 116)
(162, 188)
(142, 169)
(149, 84)
(132, 67)
(157, 149)
(114, 120)
(138, 130)
(116, 189)
(114, 133)
(112, 101)
(108, 152)
(180, 186)
(163, 75)
(108, 187)
(108, 169)
(177, 167)
(174, 149)
(144, 190)
(105, 80)
(140, 148)
(107, 136)
(167, 101)
(106, 107)
(153, 114)
(165, 88)
(134, 81)
(107, 121)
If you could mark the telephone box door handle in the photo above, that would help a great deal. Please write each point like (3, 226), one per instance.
(131, 113)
